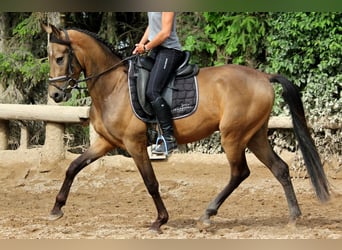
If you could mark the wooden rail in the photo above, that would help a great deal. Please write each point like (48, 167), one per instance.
(48, 113)
(68, 114)
(57, 116)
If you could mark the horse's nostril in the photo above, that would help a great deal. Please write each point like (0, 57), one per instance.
(57, 97)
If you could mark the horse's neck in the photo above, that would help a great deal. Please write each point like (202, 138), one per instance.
(97, 59)
(100, 64)
(97, 63)
(93, 56)
(110, 87)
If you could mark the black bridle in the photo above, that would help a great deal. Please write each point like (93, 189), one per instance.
(70, 82)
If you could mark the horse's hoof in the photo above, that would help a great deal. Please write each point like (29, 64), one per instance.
(55, 216)
(292, 223)
(203, 223)
(156, 230)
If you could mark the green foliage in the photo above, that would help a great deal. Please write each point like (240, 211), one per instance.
(24, 66)
(28, 27)
(229, 37)
(308, 40)
(307, 47)
(235, 36)
(190, 26)
(21, 68)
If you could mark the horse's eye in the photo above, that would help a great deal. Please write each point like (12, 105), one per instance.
(59, 60)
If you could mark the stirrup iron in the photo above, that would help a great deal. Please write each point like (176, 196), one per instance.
(161, 139)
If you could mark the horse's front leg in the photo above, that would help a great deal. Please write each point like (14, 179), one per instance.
(145, 168)
(95, 151)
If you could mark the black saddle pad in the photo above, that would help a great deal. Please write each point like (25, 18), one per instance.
(181, 95)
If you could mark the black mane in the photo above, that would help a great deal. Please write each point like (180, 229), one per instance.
(99, 39)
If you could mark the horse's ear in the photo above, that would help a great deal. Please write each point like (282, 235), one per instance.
(49, 28)
(56, 31)
(45, 27)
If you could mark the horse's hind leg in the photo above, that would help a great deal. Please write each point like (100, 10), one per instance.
(239, 172)
(95, 151)
(261, 147)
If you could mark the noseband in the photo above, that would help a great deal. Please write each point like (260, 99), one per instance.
(70, 82)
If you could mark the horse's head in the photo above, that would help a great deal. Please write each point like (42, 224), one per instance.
(65, 68)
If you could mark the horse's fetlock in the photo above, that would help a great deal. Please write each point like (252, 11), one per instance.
(211, 212)
(60, 200)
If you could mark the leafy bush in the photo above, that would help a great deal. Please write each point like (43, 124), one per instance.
(227, 37)
(23, 71)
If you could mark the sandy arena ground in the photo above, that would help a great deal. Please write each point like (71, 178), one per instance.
(108, 200)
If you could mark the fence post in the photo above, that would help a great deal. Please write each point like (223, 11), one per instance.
(3, 135)
(24, 137)
(53, 150)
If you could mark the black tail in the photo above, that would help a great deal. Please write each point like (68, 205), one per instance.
(306, 144)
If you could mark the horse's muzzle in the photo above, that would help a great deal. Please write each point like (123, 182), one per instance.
(59, 96)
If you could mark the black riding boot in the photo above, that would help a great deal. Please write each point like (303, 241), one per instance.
(164, 116)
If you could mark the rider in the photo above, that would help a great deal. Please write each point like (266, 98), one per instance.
(161, 41)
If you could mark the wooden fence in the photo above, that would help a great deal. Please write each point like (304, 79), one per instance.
(57, 116)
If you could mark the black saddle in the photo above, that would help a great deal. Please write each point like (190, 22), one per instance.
(181, 93)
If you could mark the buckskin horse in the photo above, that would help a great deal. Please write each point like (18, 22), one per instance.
(236, 100)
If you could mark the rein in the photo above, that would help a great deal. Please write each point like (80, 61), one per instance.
(70, 82)
(106, 71)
